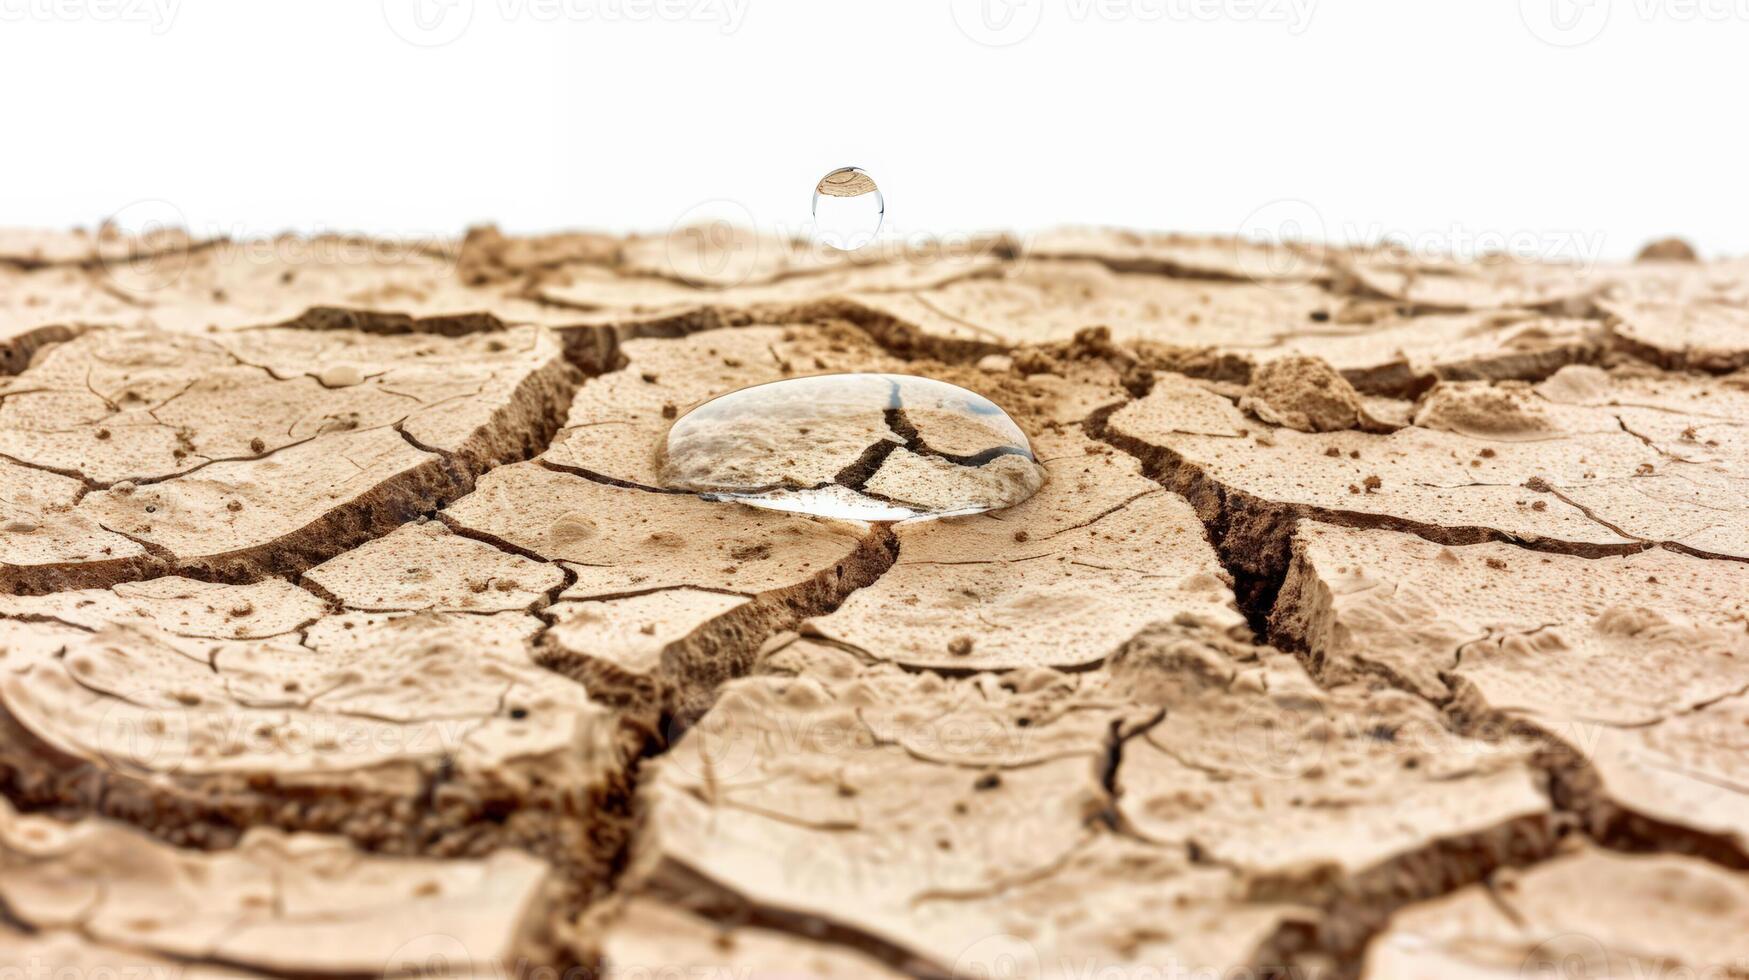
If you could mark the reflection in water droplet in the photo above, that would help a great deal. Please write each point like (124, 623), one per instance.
(872, 447)
(848, 209)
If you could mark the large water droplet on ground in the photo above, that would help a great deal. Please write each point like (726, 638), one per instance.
(872, 447)
(848, 209)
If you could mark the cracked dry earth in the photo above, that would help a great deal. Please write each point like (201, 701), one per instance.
(1379, 617)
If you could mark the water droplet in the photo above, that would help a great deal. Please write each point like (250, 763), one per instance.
(872, 447)
(848, 209)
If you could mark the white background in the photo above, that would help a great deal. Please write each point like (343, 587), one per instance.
(1557, 124)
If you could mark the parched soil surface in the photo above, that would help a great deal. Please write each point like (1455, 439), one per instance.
(1380, 617)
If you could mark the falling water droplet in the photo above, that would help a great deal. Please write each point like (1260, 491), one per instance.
(848, 209)
(873, 447)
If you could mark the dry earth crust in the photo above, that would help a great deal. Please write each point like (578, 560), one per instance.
(1380, 616)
